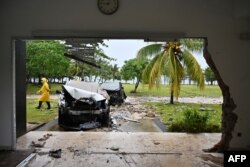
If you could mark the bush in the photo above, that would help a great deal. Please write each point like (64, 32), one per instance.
(191, 121)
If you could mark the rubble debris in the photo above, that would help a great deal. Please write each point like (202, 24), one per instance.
(132, 120)
(55, 153)
(114, 148)
(212, 159)
(150, 114)
(45, 137)
(38, 144)
(156, 143)
(71, 149)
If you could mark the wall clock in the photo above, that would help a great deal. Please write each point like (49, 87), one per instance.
(108, 7)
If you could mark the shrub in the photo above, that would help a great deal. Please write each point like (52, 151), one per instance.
(191, 121)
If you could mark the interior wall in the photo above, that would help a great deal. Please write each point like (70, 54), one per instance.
(20, 97)
(220, 21)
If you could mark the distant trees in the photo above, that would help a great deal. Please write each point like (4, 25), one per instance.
(46, 58)
(132, 69)
(209, 75)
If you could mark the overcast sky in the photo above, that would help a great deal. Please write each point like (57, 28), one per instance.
(123, 50)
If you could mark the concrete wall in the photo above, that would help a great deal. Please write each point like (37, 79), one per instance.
(221, 21)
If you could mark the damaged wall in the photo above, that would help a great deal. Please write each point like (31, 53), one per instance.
(220, 21)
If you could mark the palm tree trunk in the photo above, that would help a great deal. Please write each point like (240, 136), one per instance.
(229, 118)
(172, 94)
(172, 97)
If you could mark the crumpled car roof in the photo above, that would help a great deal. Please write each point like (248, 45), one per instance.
(80, 89)
(113, 86)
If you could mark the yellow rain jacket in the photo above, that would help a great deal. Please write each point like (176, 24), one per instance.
(44, 91)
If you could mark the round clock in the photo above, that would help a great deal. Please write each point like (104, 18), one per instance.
(108, 6)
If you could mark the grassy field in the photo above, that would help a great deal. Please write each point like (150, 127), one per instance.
(163, 90)
(174, 113)
(168, 113)
(40, 115)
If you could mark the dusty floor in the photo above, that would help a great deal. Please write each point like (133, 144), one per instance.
(120, 146)
(142, 149)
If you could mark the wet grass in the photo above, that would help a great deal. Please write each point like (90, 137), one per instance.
(173, 115)
(40, 115)
(163, 90)
(33, 88)
(168, 112)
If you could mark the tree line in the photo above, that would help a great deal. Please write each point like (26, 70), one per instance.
(46, 59)
(171, 59)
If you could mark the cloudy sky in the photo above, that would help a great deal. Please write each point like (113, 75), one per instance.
(123, 50)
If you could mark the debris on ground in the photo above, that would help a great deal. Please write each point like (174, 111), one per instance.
(156, 143)
(150, 114)
(212, 160)
(55, 153)
(39, 144)
(114, 148)
(132, 120)
(45, 137)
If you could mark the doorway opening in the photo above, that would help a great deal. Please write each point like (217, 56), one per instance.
(129, 89)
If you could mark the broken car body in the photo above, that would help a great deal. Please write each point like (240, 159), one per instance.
(115, 91)
(82, 105)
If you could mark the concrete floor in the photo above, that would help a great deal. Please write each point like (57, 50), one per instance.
(141, 149)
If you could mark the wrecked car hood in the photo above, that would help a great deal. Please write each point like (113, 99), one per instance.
(77, 93)
(88, 87)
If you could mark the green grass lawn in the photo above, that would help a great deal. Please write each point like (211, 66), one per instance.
(163, 90)
(174, 113)
(40, 115)
(169, 113)
(32, 88)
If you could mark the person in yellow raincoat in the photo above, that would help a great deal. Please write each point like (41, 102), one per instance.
(45, 95)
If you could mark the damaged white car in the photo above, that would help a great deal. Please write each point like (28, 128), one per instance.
(83, 105)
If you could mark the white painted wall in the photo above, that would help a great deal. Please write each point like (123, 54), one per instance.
(220, 21)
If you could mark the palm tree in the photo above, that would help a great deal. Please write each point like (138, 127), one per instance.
(172, 59)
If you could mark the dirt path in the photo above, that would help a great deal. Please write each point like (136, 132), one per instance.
(142, 99)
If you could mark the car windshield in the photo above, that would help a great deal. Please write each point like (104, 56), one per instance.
(111, 86)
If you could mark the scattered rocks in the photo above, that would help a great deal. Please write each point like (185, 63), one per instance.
(45, 137)
(156, 143)
(55, 153)
(114, 148)
(39, 144)
(150, 114)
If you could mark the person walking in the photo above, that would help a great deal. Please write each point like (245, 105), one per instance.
(44, 94)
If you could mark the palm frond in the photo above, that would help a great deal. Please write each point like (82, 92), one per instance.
(148, 68)
(155, 73)
(149, 51)
(192, 44)
(193, 68)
